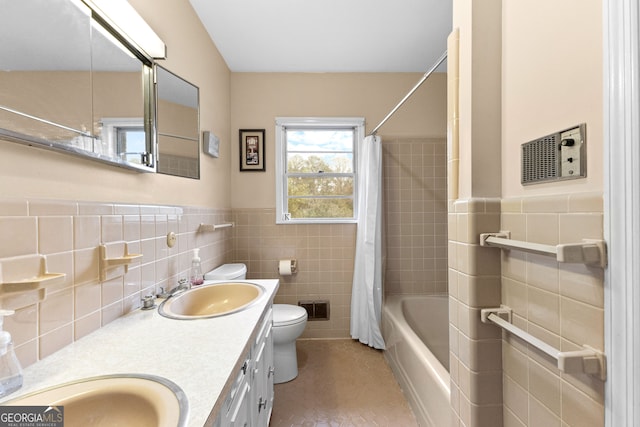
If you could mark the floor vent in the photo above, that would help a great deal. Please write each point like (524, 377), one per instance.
(316, 310)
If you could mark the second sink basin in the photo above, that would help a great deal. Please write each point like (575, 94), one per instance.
(213, 300)
(124, 400)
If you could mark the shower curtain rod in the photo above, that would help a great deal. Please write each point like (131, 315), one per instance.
(425, 77)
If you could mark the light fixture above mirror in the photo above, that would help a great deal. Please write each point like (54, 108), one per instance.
(120, 15)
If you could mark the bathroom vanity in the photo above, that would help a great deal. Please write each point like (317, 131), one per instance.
(224, 364)
(250, 400)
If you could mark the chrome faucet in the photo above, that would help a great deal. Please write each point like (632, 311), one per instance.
(183, 285)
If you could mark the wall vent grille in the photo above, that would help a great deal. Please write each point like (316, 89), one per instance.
(316, 310)
(540, 160)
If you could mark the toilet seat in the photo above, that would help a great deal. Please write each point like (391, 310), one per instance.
(286, 315)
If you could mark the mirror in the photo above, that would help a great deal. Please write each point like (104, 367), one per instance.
(178, 125)
(68, 84)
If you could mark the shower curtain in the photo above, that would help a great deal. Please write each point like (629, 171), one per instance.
(366, 295)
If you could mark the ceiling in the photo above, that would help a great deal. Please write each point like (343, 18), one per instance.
(327, 35)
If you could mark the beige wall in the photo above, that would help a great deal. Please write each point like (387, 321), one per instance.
(479, 103)
(325, 252)
(31, 172)
(551, 82)
(258, 98)
(551, 79)
(524, 74)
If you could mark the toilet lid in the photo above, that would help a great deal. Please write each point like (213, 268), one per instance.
(227, 272)
(286, 314)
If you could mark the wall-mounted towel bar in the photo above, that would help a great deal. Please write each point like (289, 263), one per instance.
(593, 252)
(214, 227)
(588, 360)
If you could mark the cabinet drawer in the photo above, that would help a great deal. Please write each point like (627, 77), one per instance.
(240, 416)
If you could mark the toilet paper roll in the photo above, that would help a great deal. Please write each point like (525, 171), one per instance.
(287, 267)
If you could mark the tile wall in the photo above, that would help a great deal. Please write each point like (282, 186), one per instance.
(497, 379)
(474, 283)
(69, 233)
(415, 215)
(325, 254)
(561, 304)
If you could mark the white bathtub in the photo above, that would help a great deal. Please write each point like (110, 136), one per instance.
(423, 378)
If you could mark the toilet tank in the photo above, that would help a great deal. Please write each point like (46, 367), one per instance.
(236, 271)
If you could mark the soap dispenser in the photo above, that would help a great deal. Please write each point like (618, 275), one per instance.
(10, 369)
(196, 269)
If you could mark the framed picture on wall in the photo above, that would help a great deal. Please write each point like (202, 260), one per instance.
(252, 155)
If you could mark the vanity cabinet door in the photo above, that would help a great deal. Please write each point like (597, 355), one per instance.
(235, 410)
(270, 369)
(250, 400)
(240, 415)
(262, 382)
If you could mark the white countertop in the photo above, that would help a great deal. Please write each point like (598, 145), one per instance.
(200, 356)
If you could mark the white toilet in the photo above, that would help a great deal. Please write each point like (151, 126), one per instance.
(289, 322)
(228, 272)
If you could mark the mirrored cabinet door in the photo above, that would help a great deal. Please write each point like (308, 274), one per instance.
(178, 125)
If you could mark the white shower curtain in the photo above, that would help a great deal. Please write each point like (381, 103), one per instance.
(366, 295)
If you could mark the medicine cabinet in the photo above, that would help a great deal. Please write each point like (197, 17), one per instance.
(69, 81)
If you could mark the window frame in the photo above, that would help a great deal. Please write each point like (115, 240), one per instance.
(113, 129)
(326, 123)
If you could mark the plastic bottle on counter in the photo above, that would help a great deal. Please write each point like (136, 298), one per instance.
(10, 369)
(196, 277)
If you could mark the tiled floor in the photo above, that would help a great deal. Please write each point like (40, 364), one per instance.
(340, 383)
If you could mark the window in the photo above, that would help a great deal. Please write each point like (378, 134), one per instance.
(132, 145)
(125, 138)
(316, 174)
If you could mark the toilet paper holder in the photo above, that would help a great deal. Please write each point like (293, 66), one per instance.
(287, 267)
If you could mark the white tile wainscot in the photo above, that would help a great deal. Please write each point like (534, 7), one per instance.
(201, 356)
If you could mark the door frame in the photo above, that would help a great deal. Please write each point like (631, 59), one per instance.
(622, 210)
